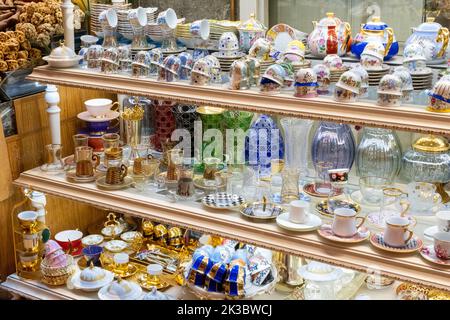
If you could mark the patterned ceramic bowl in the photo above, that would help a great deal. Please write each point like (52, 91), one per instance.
(239, 75)
(333, 62)
(413, 52)
(323, 77)
(228, 42)
(440, 97)
(306, 83)
(359, 69)
(390, 84)
(350, 81)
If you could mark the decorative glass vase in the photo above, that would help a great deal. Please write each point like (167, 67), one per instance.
(334, 143)
(296, 132)
(378, 154)
(147, 129)
(185, 117)
(263, 143)
(236, 120)
(212, 118)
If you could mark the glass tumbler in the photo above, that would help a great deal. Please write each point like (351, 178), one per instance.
(289, 188)
(86, 161)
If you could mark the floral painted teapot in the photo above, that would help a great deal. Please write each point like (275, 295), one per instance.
(330, 36)
(433, 38)
(375, 31)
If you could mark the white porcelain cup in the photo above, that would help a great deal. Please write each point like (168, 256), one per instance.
(298, 210)
(98, 107)
(443, 218)
(167, 18)
(108, 18)
(138, 17)
(344, 223)
(442, 245)
(397, 233)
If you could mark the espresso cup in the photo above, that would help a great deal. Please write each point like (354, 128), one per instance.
(442, 245)
(344, 223)
(397, 233)
(298, 211)
(121, 262)
(443, 218)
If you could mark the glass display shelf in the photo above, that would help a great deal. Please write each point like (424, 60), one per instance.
(364, 112)
(230, 224)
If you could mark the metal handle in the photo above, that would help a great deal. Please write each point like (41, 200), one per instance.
(96, 160)
(405, 206)
(410, 235)
(361, 223)
(390, 33)
(124, 171)
(442, 36)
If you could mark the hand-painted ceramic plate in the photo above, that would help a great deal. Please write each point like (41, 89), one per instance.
(255, 211)
(116, 245)
(312, 223)
(413, 245)
(320, 190)
(280, 35)
(92, 239)
(429, 254)
(223, 201)
(129, 236)
(326, 232)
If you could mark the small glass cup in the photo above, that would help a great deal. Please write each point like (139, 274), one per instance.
(185, 186)
(110, 140)
(212, 166)
(289, 188)
(322, 183)
(150, 169)
(86, 162)
(372, 188)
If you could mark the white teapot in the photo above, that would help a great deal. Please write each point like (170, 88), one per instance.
(433, 38)
(330, 36)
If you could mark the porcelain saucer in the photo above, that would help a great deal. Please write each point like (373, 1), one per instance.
(429, 254)
(326, 232)
(413, 245)
(116, 245)
(142, 280)
(86, 116)
(322, 207)
(312, 223)
(374, 220)
(72, 177)
(101, 183)
(429, 232)
(312, 190)
(131, 270)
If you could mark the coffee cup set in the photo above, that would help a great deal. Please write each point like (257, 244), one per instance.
(121, 266)
(98, 115)
(153, 277)
(439, 251)
(298, 218)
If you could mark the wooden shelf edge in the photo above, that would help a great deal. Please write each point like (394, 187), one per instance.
(361, 258)
(26, 289)
(409, 118)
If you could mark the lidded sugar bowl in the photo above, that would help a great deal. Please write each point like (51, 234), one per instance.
(433, 38)
(428, 160)
(250, 31)
(375, 31)
(439, 96)
(330, 36)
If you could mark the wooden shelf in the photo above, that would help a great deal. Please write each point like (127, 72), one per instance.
(407, 117)
(361, 257)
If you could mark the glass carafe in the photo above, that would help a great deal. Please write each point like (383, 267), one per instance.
(378, 154)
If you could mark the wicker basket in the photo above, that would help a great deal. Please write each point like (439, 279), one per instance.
(57, 276)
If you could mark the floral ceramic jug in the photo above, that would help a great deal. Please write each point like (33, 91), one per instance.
(330, 36)
(374, 31)
(433, 38)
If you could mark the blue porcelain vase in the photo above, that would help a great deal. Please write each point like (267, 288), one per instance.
(334, 143)
(263, 143)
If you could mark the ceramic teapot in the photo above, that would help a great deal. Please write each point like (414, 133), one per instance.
(373, 31)
(433, 38)
(330, 36)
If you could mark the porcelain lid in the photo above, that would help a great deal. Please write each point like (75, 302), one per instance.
(431, 143)
(330, 20)
(429, 26)
(62, 52)
(92, 274)
(252, 25)
(154, 294)
(375, 25)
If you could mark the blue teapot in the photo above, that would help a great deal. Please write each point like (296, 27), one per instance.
(375, 30)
